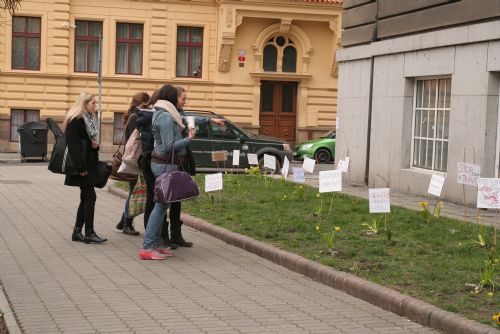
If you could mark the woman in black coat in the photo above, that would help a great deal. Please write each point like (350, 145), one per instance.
(80, 126)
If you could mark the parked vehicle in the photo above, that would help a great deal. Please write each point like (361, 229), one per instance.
(212, 137)
(322, 149)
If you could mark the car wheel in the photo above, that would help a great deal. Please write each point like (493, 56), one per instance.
(323, 156)
(267, 170)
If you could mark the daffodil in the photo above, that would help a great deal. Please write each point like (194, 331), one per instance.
(337, 228)
(490, 294)
(317, 227)
(496, 318)
(318, 195)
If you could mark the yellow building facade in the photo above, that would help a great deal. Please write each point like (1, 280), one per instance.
(268, 66)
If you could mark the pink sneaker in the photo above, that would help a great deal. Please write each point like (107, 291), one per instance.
(150, 254)
(165, 252)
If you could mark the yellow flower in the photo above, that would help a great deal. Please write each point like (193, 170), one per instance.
(318, 195)
(317, 227)
(423, 204)
(337, 228)
(490, 294)
(496, 318)
(300, 187)
(441, 205)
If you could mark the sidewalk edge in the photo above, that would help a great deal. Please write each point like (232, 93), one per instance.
(388, 299)
(8, 316)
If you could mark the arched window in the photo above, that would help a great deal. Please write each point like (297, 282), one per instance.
(270, 58)
(280, 55)
(289, 59)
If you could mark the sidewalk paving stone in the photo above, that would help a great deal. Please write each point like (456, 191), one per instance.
(108, 289)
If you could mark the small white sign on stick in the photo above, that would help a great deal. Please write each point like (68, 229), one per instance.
(270, 161)
(286, 167)
(343, 165)
(379, 200)
(308, 165)
(213, 182)
(436, 185)
(252, 159)
(488, 193)
(330, 180)
(236, 157)
(468, 173)
(298, 175)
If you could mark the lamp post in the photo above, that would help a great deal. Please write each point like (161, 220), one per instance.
(99, 82)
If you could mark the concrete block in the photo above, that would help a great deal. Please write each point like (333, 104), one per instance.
(493, 56)
(470, 75)
(429, 62)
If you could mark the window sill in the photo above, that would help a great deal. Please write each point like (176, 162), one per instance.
(424, 171)
(281, 75)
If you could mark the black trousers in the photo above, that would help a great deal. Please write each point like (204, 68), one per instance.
(85, 213)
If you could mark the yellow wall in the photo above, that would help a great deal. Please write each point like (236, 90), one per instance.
(233, 92)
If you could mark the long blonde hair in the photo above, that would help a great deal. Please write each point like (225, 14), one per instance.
(78, 108)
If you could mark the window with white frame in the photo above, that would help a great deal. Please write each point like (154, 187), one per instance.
(20, 116)
(431, 124)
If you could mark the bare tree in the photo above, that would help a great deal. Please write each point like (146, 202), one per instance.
(10, 5)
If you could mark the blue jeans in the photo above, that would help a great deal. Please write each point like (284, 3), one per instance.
(152, 236)
(131, 185)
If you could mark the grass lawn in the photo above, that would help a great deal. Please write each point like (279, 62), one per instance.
(432, 262)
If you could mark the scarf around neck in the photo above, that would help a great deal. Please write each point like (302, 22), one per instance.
(90, 124)
(172, 110)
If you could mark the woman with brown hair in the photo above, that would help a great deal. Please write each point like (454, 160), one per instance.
(139, 101)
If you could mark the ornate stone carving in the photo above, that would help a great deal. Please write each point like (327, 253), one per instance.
(229, 18)
(225, 49)
(335, 64)
(285, 25)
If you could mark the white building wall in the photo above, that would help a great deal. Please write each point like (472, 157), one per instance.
(474, 68)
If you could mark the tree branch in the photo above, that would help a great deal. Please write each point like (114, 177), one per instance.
(10, 5)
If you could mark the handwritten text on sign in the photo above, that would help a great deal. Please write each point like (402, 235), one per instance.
(330, 180)
(488, 193)
(436, 185)
(468, 173)
(298, 175)
(380, 200)
(213, 182)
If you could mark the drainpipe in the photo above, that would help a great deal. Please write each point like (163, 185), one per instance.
(370, 104)
(369, 132)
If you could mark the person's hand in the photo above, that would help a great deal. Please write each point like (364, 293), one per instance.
(191, 133)
(84, 173)
(218, 121)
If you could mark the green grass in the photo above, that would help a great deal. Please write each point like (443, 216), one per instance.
(432, 262)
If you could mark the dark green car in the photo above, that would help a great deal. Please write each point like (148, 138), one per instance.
(321, 149)
(212, 137)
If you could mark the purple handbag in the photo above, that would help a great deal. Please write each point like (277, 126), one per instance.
(175, 186)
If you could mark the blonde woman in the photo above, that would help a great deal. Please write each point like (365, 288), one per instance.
(80, 128)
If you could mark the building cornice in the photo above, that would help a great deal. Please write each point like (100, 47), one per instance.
(287, 3)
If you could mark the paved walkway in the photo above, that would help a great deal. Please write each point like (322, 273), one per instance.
(58, 286)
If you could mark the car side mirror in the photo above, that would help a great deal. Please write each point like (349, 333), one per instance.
(242, 139)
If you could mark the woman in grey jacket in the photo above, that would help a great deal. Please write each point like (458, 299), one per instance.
(167, 127)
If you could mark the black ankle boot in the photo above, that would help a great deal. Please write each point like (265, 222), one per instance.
(119, 226)
(176, 234)
(128, 228)
(93, 237)
(77, 234)
(165, 238)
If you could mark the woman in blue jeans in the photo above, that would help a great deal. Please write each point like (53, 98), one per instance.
(167, 126)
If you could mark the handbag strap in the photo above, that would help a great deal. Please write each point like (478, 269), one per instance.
(123, 136)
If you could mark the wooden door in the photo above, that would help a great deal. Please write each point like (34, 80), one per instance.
(278, 106)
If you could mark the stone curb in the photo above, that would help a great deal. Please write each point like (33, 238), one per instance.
(388, 299)
(8, 316)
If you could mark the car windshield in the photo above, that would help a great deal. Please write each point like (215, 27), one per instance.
(329, 134)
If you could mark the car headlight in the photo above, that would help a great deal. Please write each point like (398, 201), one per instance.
(286, 147)
(307, 146)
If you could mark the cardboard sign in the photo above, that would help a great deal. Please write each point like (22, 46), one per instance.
(286, 167)
(330, 180)
(436, 185)
(252, 159)
(219, 155)
(236, 157)
(488, 193)
(213, 182)
(270, 161)
(190, 122)
(308, 165)
(468, 173)
(298, 175)
(379, 200)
